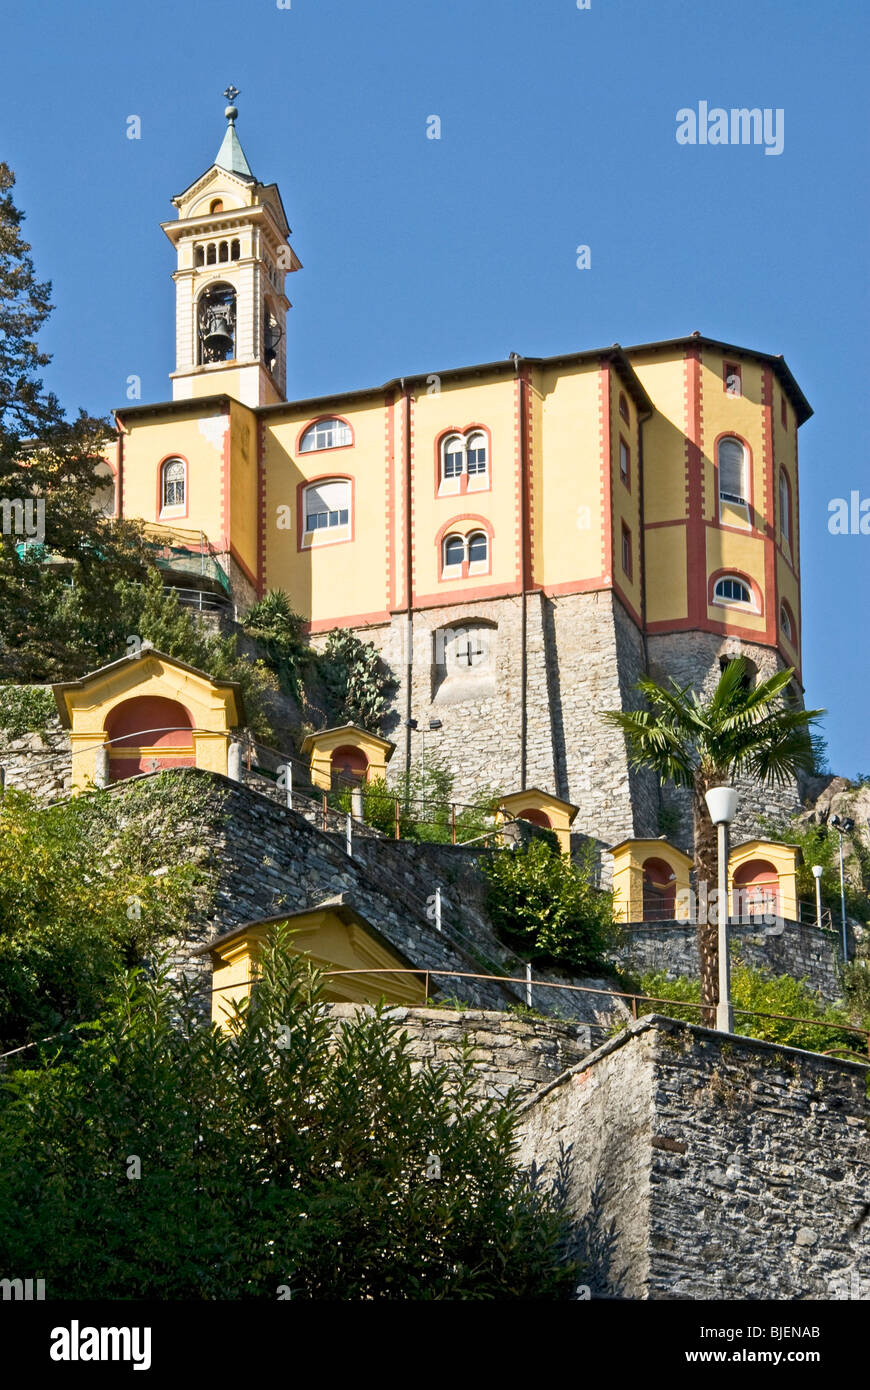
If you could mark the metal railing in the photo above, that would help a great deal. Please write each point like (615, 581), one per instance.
(635, 999)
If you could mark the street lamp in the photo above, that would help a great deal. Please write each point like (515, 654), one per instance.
(817, 875)
(722, 805)
(843, 827)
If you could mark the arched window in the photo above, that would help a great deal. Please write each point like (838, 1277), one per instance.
(475, 454)
(784, 507)
(211, 254)
(659, 891)
(146, 733)
(223, 251)
(173, 484)
(235, 251)
(478, 552)
(464, 462)
(786, 622)
(454, 553)
(623, 407)
(199, 255)
(536, 817)
(326, 512)
(216, 319)
(732, 471)
(325, 434)
(216, 205)
(730, 589)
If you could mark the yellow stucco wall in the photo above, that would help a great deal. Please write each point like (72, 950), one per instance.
(341, 579)
(244, 497)
(567, 475)
(628, 866)
(200, 441)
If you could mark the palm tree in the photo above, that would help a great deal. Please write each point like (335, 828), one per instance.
(740, 730)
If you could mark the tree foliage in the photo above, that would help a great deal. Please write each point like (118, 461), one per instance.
(79, 901)
(547, 906)
(757, 989)
(280, 632)
(275, 1160)
(357, 683)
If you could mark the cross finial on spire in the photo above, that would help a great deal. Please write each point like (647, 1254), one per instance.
(232, 111)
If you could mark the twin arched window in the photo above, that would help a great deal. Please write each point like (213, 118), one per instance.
(464, 462)
(173, 484)
(325, 434)
(465, 555)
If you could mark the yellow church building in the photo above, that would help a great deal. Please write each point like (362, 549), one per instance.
(520, 539)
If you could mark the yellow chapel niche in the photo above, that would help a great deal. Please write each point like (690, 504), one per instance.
(334, 937)
(145, 713)
(346, 753)
(540, 808)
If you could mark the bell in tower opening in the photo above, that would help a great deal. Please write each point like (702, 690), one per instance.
(217, 324)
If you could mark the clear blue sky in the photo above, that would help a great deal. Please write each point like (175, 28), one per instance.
(558, 128)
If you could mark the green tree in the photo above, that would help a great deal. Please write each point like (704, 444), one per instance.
(79, 902)
(740, 730)
(547, 906)
(278, 1158)
(57, 590)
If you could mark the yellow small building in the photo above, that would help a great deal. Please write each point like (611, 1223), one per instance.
(650, 881)
(335, 937)
(144, 713)
(540, 808)
(763, 879)
(346, 753)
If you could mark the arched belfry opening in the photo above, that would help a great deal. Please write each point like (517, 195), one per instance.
(216, 323)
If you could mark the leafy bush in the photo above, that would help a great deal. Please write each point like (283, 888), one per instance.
(280, 632)
(275, 1161)
(25, 709)
(546, 905)
(357, 683)
(79, 901)
(753, 988)
(159, 618)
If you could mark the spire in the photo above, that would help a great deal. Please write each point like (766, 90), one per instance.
(231, 156)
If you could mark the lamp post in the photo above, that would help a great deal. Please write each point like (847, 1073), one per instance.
(722, 805)
(843, 827)
(817, 875)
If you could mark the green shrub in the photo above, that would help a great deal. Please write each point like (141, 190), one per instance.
(280, 632)
(546, 905)
(25, 709)
(757, 989)
(358, 685)
(275, 1161)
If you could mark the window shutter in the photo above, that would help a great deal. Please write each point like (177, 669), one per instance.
(731, 469)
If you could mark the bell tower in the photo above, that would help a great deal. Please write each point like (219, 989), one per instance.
(233, 253)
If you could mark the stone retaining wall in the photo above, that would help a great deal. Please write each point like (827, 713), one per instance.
(723, 1167)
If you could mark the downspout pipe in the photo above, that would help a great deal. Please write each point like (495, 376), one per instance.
(524, 569)
(409, 581)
